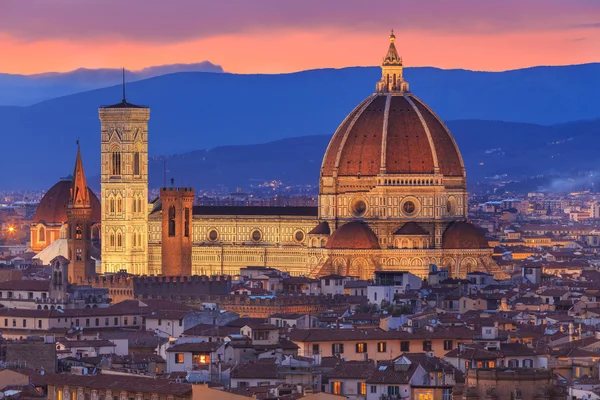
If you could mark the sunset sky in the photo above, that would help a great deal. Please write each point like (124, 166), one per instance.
(270, 36)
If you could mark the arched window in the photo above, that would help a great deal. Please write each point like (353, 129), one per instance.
(112, 239)
(119, 205)
(136, 163)
(172, 221)
(186, 228)
(135, 239)
(78, 254)
(78, 232)
(139, 204)
(119, 239)
(112, 205)
(42, 234)
(115, 164)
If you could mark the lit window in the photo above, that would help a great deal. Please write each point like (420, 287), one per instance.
(381, 347)
(361, 347)
(336, 388)
(198, 359)
(362, 388)
(179, 359)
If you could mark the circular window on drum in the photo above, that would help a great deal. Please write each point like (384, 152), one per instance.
(256, 235)
(409, 207)
(299, 236)
(213, 235)
(359, 208)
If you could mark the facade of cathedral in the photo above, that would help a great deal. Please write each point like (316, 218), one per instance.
(392, 197)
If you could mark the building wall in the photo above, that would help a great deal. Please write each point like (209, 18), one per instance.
(234, 247)
(393, 348)
(124, 197)
(176, 239)
(437, 201)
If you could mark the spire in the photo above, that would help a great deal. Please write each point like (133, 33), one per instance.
(80, 196)
(391, 71)
(124, 98)
(392, 57)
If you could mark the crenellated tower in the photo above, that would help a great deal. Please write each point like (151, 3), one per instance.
(124, 180)
(79, 214)
(176, 243)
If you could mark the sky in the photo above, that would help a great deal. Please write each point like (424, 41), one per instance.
(274, 36)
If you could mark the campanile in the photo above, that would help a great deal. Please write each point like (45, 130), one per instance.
(124, 182)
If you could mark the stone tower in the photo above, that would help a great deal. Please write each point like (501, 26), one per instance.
(79, 213)
(124, 180)
(176, 242)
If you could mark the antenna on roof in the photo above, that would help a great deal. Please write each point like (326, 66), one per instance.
(124, 101)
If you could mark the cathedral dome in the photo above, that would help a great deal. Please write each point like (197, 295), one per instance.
(354, 235)
(464, 235)
(392, 132)
(53, 206)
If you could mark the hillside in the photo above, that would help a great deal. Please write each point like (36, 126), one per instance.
(24, 90)
(205, 110)
(516, 150)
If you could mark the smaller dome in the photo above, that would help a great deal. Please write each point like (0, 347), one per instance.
(411, 228)
(53, 206)
(353, 235)
(464, 235)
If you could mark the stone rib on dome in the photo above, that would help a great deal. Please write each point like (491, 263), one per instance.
(354, 235)
(414, 139)
(53, 206)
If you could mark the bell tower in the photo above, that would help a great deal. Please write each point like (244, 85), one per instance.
(79, 213)
(124, 181)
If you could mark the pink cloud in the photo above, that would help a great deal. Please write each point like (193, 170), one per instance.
(163, 21)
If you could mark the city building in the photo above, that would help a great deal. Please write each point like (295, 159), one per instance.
(392, 197)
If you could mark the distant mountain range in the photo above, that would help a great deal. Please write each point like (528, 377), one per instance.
(192, 111)
(515, 151)
(24, 90)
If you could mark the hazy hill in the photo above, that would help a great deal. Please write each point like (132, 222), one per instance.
(488, 147)
(203, 110)
(24, 90)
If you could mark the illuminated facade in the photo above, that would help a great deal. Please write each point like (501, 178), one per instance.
(124, 187)
(392, 196)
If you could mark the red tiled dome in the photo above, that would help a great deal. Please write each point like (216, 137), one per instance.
(53, 207)
(463, 235)
(410, 136)
(353, 235)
